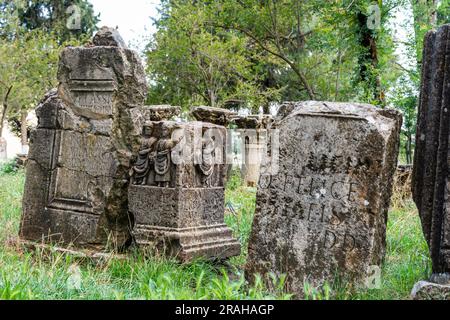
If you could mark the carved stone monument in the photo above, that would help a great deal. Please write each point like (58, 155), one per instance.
(253, 132)
(177, 191)
(431, 174)
(79, 160)
(323, 215)
(220, 117)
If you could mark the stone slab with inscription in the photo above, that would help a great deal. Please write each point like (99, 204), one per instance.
(323, 214)
(79, 159)
(431, 172)
(176, 196)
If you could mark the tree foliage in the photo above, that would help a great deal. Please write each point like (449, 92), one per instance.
(299, 49)
(250, 53)
(32, 33)
(191, 62)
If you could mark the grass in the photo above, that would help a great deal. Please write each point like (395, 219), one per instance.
(37, 275)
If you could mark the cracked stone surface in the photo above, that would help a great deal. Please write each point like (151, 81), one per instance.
(323, 214)
(78, 169)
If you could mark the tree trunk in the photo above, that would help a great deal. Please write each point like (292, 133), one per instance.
(24, 131)
(2, 119)
(368, 60)
(409, 155)
(338, 75)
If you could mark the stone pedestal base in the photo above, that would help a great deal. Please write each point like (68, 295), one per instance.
(187, 244)
(185, 223)
(437, 288)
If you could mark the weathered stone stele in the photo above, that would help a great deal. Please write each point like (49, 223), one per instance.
(323, 215)
(79, 160)
(177, 191)
(431, 174)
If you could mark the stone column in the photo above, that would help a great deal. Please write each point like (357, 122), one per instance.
(323, 215)
(253, 131)
(79, 160)
(431, 180)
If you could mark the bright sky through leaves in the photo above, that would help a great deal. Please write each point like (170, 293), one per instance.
(132, 17)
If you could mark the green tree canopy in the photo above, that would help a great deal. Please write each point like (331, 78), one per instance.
(324, 50)
(67, 19)
(32, 33)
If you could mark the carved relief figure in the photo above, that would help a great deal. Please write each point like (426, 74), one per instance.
(163, 157)
(146, 157)
(206, 163)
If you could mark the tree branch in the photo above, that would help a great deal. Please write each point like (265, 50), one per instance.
(5, 109)
(291, 64)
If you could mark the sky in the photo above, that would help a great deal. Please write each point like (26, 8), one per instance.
(133, 17)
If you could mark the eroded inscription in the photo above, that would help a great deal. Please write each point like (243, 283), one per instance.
(324, 213)
(100, 102)
(95, 96)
